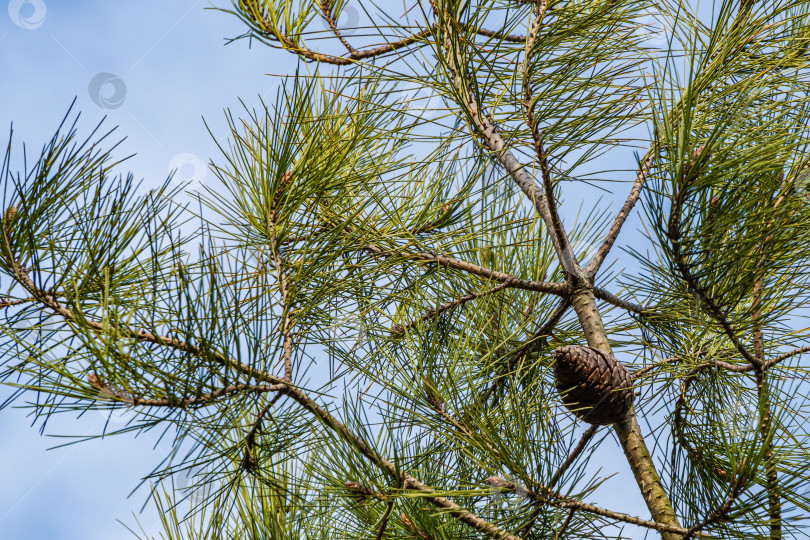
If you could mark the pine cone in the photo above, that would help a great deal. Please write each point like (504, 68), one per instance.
(593, 385)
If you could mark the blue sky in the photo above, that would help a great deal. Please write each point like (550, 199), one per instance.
(160, 67)
(167, 68)
(155, 69)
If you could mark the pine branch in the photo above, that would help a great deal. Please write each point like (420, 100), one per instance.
(674, 235)
(420, 38)
(327, 13)
(384, 522)
(782, 357)
(260, 19)
(442, 259)
(249, 461)
(610, 298)
(572, 457)
(485, 129)
(532, 343)
(736, 368)
(283, 281)
(365, 492)
(719, 513)
(558, 289)
(434, 314)
(202, 400)
(285, 387)
(559, 534)
(561, 501)
(9, 303)
(679, 422)
(580, 447)
(539, 149)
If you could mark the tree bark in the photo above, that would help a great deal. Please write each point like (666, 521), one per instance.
(627, 431)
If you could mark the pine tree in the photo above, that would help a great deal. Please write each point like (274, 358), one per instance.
(390, 321)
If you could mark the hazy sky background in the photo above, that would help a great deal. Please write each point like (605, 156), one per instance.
(154, 68)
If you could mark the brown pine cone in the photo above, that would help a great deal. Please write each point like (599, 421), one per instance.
(593, 385)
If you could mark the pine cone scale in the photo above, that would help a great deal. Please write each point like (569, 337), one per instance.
(593, 385)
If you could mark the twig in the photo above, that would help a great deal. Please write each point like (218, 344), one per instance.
(674, 234)
(763, 393)
(356, 55)
(386, 517)
(587, 436)
(771, 472)
(434, 314)
(565, 524)
(559, 289)
(275, 208)
(327, 13)
(702, 353)
(202, 400)
(718, 514)
(542, 158)
(583, 442)
(485, 128)
(643, 371)
(249, 460)
(514, 38)
(364, 491)
(737, 368)
(679, 421)
(9, 303)
(561, 501)
(644, 170)
(782, 357)
(541, 334)
(611, 298)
